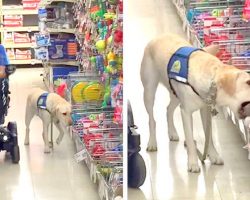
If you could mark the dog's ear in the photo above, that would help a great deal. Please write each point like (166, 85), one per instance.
(228, 81)
(54, 110)
(212, 49)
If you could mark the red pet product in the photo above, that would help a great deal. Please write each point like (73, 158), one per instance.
(98, 151)
(23, 54)
(30, 4)
(21, 38)
(13, 20)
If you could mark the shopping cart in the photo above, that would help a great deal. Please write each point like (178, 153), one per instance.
(8, 135)
(136, 164)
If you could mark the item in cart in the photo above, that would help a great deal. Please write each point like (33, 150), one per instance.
(76, 92)
(94, 91)
(246, 10)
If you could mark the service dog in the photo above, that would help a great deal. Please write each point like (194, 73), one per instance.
(47, 106)
(209, 84)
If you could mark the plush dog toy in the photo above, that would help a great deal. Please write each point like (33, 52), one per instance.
(196, 80)
(47, 106)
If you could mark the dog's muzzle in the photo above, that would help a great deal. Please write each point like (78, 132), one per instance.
(244, 110)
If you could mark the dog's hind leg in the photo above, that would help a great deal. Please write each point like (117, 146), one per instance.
(46, 137)
(28, 117)
(172, 133)
(209, 149)
(150, 80)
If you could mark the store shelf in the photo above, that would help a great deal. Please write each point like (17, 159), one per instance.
(22, 45)
(47, 2)
(63, 62)
(17, 11)
(25, 62)
(19, 29)
(54, 30)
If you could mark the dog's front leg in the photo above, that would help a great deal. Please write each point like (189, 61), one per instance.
(191, 147)
(61, 132)
(210, 150)
(46, 136)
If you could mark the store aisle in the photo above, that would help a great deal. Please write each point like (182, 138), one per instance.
(40, 176)
(167, 176)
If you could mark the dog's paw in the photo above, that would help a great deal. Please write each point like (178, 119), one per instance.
(152, 148)
(50, 144)
(216, 160)
(193, 168)
(47, 149)
(58, 141)
(173, 137)
(152, 145)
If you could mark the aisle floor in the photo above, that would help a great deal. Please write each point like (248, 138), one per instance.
(167, 176)
(40, 176)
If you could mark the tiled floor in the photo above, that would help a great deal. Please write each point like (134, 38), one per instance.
(40, 176)
(167, 176)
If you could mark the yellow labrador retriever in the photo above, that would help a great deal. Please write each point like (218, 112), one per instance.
(209, 84)
(47, 105)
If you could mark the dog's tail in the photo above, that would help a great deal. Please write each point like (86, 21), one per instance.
(149, 73)
(29, 113)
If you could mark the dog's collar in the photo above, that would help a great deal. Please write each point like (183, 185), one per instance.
(210, 98)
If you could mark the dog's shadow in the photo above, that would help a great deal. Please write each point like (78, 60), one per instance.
(180, 182)
(190, 185)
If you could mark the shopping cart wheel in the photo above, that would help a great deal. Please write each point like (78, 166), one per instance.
(136, 171)
(12, 127)
(15, 154)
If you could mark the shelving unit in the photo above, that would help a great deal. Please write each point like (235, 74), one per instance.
(20, 29)
(49, 64)
(27, 15)
(48, 2)
(54, 30)
(25, 62)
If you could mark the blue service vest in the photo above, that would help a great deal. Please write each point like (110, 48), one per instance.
(41, 102)
(178, 65)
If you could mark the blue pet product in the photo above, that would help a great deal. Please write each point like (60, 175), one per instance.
(42, 14)
(42, 54)
(58, 49)
(42, 39)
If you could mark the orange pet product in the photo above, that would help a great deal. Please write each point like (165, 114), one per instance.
(71, 49)
(11, 54)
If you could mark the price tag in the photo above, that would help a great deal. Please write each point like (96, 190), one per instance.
(80, 156)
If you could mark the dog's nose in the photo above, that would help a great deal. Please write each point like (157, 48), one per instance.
(70, 122)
